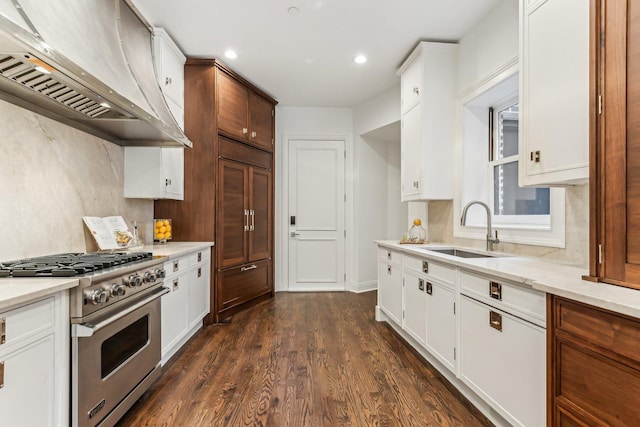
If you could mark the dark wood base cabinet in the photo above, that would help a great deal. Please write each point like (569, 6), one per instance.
(237, 285)
(593, 366)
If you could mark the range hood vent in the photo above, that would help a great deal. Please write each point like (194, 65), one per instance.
(26, 73)
(88, 64)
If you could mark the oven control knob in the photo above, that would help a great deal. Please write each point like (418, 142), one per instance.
(134, 280)
(117, 290)
(160, 273)
(98, 296)
(149, 277)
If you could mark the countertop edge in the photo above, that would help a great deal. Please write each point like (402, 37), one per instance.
(24, 291)
(173, 250)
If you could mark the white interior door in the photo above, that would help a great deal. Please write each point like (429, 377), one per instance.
(316, 215)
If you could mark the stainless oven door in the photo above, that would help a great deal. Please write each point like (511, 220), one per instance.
(115, 359)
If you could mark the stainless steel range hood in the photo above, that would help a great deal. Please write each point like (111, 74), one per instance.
(88, 64)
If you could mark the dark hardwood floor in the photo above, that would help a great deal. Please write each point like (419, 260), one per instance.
(302, 359)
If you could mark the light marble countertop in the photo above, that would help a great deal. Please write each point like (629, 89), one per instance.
(14, 292)
(555, 278)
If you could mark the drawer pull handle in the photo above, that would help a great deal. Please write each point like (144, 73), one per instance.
(495, 320)
(429, 288)
(425, 267)
(421, 284)
(389, 270)
(3, 331)
(176, 266)
(176, 283)
(495, 290)
(199, 256)
(199, 272)
(1, 374)
(388, 254)
(251, 267)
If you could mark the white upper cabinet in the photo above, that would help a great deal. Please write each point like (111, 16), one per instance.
(554, 92)
(154, 172)
(428, 94)
(169, 62)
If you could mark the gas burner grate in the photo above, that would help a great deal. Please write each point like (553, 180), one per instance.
(68, 265)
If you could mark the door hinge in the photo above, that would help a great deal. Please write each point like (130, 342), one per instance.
(600, 253)
(454, 308)
(599, 104)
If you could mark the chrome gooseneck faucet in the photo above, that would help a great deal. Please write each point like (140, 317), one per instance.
(490, 239)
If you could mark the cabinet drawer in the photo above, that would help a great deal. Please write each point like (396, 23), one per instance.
(526, 303)
(389, 255)
(202, 256)
(436, 270)
(602, 328)
(601, 387)
(178, 265)
(240, 284)
(25, 322)
(503, 358)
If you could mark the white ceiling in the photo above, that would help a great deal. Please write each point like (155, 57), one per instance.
(307, 60)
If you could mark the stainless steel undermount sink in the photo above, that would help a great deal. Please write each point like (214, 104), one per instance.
(461, 253)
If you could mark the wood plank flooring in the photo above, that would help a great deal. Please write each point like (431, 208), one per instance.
(302, 359)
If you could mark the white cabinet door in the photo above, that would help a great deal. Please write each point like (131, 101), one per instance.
(411, 86)
(198, 299)
(503, 360)
(554, 92)
(428, 122)
(154, 172)
(27, 395)
(169, 62)
(411, 153)
(173, 314)
(414, 307)
(441, 323)
(390, 290)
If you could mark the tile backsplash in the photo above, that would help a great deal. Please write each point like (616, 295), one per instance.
(52, 175)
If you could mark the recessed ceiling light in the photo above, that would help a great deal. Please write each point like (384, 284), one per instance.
(293, 11)
(360, 59)
(231, 54)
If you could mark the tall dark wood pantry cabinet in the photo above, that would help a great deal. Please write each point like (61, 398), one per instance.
(229, 188)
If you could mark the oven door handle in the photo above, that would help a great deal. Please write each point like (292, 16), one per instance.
(82, 330)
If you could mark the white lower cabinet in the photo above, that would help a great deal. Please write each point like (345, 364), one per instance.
(441, 323)
(34, 364)
(188, 302)
(390, 286)
(487, 336)
(415, 306)
(503, 361)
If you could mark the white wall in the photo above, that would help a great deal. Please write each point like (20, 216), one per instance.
(53, 175)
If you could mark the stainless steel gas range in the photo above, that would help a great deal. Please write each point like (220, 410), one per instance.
(115, 328)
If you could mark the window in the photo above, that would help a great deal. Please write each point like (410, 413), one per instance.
(512, 204)
(487, 170)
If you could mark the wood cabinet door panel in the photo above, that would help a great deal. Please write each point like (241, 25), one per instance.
(243, 283)
(261, 112)
(602, 387)
(233, 106)
(233, 190)
(260, 232)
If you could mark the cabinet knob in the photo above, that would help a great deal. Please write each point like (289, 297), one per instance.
(389, 270)
(421, 284)
(429, 288)
(199, 272)
(176, 284)
(167, 182)
(416, 90)
(167, 81)
(425, 266)
(495, 290)
(245, 131)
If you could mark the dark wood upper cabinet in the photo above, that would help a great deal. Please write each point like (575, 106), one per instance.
(615, 171)
(244, 114)
(232, 106)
